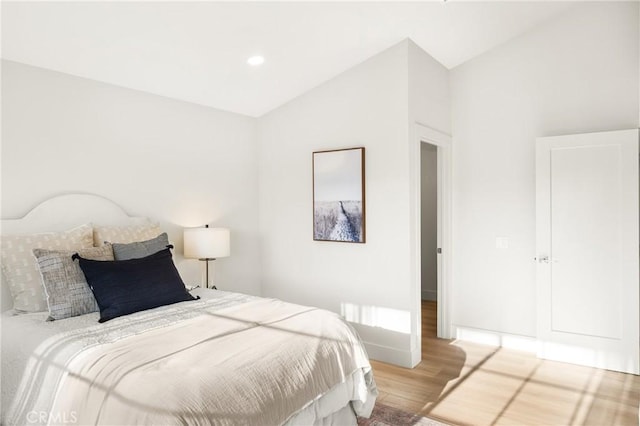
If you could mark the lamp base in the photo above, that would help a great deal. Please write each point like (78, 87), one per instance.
(206, 282)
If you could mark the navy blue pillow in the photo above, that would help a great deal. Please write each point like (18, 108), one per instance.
(123, 287)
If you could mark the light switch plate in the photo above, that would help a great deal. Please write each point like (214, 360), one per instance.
(502, 242)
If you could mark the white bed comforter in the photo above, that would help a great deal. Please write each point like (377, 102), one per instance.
(229, 360)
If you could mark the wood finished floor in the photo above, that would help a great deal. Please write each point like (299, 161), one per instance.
(464, 383)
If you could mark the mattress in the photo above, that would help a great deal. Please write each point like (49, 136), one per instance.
(227, 358)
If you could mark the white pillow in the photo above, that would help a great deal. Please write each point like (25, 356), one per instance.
(125, 234)
(20, 267)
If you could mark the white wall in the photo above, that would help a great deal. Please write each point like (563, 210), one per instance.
(429, 92)
(371, 284)
(578, 73)
(175, 162)
(429, 220)
(365, 106)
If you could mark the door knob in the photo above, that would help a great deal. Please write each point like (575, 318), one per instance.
(543, 259)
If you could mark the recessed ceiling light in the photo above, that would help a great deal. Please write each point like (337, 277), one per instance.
(255, 60)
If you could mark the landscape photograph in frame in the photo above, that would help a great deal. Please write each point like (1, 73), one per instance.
(338, 195)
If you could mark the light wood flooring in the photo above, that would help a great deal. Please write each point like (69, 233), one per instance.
(464, 383)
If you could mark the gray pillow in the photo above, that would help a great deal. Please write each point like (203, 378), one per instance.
(65, 286)
(140, 249)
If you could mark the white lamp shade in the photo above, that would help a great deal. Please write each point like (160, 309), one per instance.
(206, 243)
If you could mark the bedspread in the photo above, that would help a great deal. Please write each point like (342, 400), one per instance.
(231, 360)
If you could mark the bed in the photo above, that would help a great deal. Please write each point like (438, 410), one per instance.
(225, 358)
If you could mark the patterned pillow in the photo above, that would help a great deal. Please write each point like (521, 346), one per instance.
(140, 249)
(66, 288)
(125, 234)
(20, 268)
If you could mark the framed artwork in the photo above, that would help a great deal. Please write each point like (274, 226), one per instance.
(338, 195)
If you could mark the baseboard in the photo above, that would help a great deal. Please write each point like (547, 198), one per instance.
(496, 338)
(389, 355)
(409, 359)
(430, 295)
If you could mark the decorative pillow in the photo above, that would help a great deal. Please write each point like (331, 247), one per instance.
(125, 234)
(20, 268)
(123, 287)
(66, 288)
(140, 249)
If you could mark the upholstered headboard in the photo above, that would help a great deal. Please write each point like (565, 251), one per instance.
(62, 213)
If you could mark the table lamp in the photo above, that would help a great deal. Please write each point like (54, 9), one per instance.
(206, 244)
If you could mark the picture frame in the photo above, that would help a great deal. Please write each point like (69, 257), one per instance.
(339, 211)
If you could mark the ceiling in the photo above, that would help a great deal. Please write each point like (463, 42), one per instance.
(197, 51)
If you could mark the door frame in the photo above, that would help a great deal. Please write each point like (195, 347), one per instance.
(424, 134)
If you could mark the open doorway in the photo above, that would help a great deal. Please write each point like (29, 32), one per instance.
(439, 142)
(429, 238)
(429, 221)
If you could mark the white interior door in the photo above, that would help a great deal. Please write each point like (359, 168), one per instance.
(587, 237)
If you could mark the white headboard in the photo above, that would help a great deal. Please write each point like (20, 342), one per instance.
(62, 213)
(67, 211)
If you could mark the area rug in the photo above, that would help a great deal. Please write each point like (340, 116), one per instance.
(383, 415)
